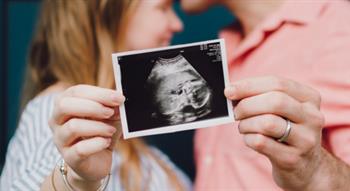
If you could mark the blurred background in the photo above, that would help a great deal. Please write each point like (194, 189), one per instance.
(17, 21)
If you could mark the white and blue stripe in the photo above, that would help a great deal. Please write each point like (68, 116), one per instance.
(32, 155)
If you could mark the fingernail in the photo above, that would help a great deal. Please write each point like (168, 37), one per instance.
(117, 98)
(112, 130)
(236, 114)
(115, 116)
(122, 99)
(108, 112)
(109, 140)
(230, 92)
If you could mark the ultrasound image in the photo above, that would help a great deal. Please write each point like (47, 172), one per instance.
(179, 93)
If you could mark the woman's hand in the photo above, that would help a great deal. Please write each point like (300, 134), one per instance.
(84, 128)
(264, 106)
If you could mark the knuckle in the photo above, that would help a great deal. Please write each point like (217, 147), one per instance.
(278, 101)
(80, 152)
(314, 116)
(241, 125)
(71, 89)
(272, 78)
(71, 127)
(76, 90)
(291, 161)
(241, 109)
(241, 85)
(320, 120)
(315, 96)
(280, 84)
(259, 142)
(309, 142)
(61, 106)
(269, 124)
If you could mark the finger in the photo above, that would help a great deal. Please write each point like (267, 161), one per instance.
(104, 96)
(271, 126)
(276, 103)
(86, 148)
(77, 107)
(116, 115)
(259, 85)
(116, 138)
(315, 118)
(77, 128)
(117, 135)
(282, 155)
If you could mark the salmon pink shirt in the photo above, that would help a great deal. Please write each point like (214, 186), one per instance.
(305, 40)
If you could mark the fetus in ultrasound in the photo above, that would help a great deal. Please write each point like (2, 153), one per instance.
(179, 93)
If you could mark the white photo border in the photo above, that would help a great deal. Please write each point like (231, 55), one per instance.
(172, 128)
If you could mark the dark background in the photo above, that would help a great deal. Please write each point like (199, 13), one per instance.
(17, 21)
(135, 70)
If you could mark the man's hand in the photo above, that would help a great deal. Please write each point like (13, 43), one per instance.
(265, 104)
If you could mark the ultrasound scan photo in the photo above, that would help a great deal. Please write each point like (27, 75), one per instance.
(173, 88)
(179, 91)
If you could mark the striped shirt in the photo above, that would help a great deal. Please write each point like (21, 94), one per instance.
(32, 155)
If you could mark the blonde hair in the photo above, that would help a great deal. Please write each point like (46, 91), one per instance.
(73, 44)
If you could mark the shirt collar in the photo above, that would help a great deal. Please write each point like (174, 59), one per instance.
(301, 12)
(292, 11)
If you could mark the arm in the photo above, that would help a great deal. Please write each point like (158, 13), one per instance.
(336, 169)
(332, 174)
(27, 165)
(54, 182)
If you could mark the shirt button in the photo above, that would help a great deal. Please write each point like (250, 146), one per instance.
(208, 160)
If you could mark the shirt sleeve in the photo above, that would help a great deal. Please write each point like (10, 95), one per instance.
(31, 154)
